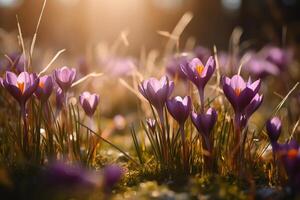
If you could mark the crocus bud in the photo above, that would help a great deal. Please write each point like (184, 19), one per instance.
(151, 124)
(44, 88)
(180, 108)
(89, 102)
(205, 122)
(273, 128)
(64, 77)
(157, 91)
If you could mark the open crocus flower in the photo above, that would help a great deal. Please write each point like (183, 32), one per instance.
(157, 91)
(205, 122)
(44, 88)
(89, 102)
(21, 87)
(64, 77)
(180, 108)
(199, 74)
(238, 92)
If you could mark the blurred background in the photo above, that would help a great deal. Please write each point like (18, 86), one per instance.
(75, 24)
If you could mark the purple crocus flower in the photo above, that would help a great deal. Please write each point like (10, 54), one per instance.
(259, 66)
(157, 92)
(291, 162)
(64, 77)
(112, 174)
(273, 126)
(65, 176)
(44, 88)
(89, 102)
(21, 87)
(199, 74)
(180, 108)
(278, 56)
(238, 92)
(204, 123)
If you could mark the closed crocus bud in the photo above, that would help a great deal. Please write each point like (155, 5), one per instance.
(205, 122)
(89, 102)
(180, 108)
(151, 124)
(273, 128)
(64, 77)
(44, 88)
(157, 91)
(111, 176)
(238, 92)
(21, 87)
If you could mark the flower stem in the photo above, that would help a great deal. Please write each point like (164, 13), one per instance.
(25, 129)
(184, 149)
(201, 95)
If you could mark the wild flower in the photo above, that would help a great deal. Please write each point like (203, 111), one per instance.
(180, 109)
(111, 175)
(273, 126)
(21, 87)
(204, 123)
(89, 102)
(64, 77)
(240, 94)
(44, 88)
(157, 92)
(199, 74)
(244, 98)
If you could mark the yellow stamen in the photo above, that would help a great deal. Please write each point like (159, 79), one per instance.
(199, 69)
(292, 153)
(41, 84)
(237, 91)
(21, 86)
